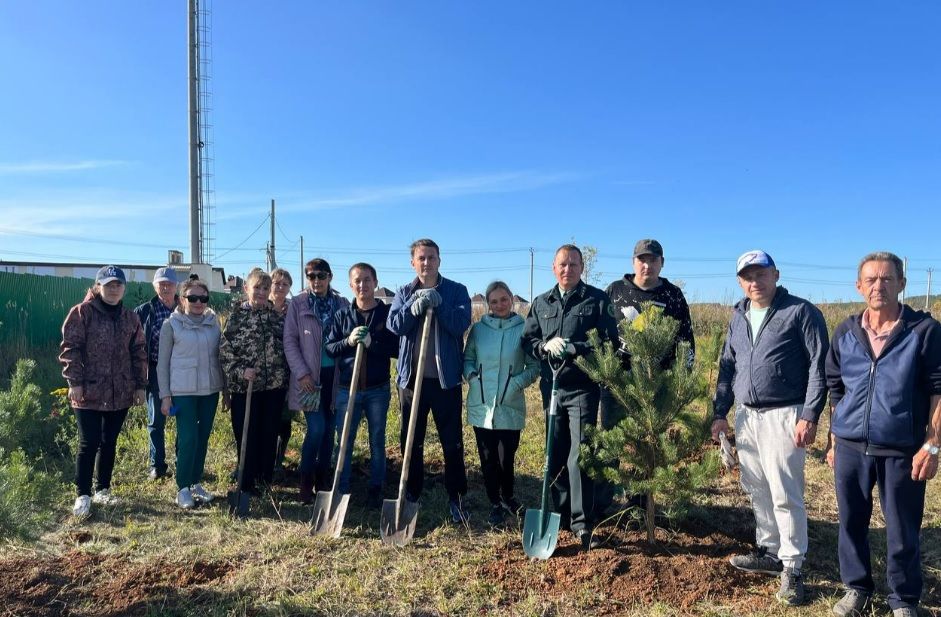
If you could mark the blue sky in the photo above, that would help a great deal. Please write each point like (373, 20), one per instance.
(808, 129)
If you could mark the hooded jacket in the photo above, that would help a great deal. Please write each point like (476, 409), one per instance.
(102, 352)
(451, 320)
(382, 348)
(254, 338)
(884, 403)
(785, 364)
(497, 372)
(189, 355)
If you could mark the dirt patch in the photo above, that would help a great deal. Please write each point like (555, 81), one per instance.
(686, 568)
(83, 584)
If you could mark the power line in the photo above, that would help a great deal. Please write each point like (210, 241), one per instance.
(260, 225)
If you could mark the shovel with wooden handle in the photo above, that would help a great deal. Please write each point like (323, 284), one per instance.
(397, 525)
(330, 506)
(239, 498)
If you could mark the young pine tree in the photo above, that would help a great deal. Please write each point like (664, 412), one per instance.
(656, 449)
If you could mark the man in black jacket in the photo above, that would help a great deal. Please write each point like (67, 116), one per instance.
(152, 314)
(556, 330)
(364, 322)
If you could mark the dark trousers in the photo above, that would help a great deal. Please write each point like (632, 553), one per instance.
(445, 407)
(903, 503)
(263, 421)
(97, 443)
(610, 413)
(572, 489)
(497, 449)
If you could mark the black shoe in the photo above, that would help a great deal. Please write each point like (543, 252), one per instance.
(587, 539)
(496, 514)
(512, 507)
(374, 499)
(758, 561)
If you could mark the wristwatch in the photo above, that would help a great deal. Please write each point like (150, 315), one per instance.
(931, 449)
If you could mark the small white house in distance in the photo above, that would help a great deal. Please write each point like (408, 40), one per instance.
(142, 273)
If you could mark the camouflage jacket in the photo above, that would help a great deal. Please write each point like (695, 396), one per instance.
(254, 338)
(103, 352)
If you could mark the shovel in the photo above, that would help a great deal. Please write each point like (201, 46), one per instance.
(541, 527)
(397, 525)
(328, 516)
(238, 499)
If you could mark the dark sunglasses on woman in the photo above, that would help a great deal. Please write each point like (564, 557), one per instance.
(203, 299)
(320, 276)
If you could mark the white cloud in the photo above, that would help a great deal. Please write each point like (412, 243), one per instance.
(45, 167)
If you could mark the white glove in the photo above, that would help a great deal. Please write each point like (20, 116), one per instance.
(432, 296)
(359, 333)
(558, 348)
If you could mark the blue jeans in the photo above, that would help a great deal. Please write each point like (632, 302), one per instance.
(317, 450)
(374, 403)
(156, 424)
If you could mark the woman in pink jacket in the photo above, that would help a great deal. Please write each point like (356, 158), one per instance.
(312, 386)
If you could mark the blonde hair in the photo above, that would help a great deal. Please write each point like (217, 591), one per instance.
(281, 273)
(256, 276)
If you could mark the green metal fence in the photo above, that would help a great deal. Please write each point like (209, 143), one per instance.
(33, 307)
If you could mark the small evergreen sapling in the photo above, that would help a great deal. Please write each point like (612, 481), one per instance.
(656, 449)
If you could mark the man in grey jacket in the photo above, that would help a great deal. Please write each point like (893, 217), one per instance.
(772, 365)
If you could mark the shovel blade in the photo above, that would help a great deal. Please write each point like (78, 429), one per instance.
(540, 543)
(329, 512)
(398, 534)
(238, 503)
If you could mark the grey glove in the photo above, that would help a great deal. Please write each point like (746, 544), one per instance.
(434, 298)
(559, 348)
(310, 401)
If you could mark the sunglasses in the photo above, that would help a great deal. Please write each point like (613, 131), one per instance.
(320, 276)
(203, 299)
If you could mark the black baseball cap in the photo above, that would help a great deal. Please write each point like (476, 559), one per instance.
(648, 246)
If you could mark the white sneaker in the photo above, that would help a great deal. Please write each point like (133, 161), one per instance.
(200, 494)
(104, 498)
(184, 499)
(82, 507)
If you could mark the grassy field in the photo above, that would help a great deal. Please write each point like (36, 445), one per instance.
(145, 556)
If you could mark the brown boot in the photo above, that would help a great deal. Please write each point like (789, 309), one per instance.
(307, 488)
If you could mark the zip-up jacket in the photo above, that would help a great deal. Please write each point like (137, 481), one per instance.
(103, 352)
(189, 355)
(383, 347)
(303, 342)
(585, 308)
(784, 366)
(626, 295)
(884, 403)
(253, 338)
(452, 319)
(497, 372)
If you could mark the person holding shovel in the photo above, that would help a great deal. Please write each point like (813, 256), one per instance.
(252, 350)
(497, 373)
(190, 379)
(441, 381)
(104, 361)
(364, 321)
(313, 371)
(557, 329)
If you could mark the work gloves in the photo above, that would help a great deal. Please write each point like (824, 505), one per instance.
(558, 348)
(423, 300)
(310, 401)
(360, 334)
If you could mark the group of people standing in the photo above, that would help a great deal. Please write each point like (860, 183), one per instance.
(882, 371)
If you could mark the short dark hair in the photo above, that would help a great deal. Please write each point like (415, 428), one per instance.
(569, 247)
(190, 283)
(317, 264)
(363, 266)
(424, 242)
(894, 259)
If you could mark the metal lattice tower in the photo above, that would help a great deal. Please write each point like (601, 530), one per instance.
(202, 165)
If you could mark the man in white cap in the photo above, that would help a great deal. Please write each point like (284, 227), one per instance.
(772, 365)
(152, 315)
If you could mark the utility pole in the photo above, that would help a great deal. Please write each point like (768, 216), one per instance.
(532, 265)
(904, 276)
(928, 290)
(272, 263)
(303, 273)
(196, 249)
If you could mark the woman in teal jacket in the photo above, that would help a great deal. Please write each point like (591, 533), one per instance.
(497, 372)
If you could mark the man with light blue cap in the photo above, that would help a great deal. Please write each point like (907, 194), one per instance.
(772, 367)
(152, 314)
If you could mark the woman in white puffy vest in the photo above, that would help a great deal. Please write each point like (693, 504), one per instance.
(190, 379)
(497, 372)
